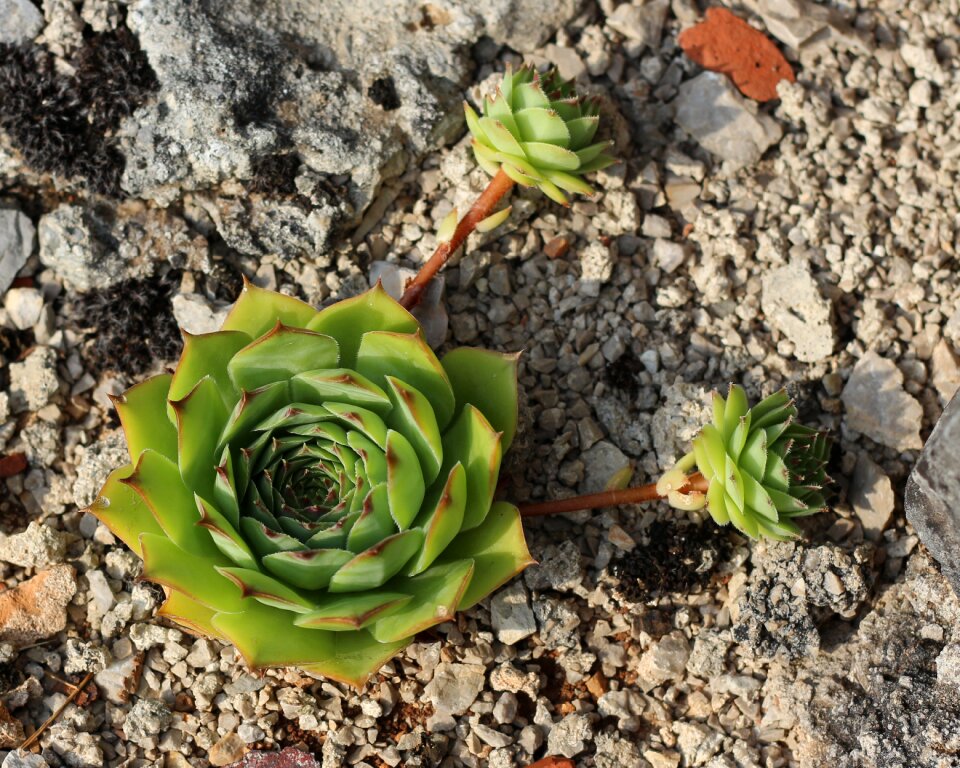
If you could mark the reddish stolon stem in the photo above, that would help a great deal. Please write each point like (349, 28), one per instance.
(637, 495)
(499, 186)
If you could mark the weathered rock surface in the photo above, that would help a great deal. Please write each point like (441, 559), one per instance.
(794, 306)
(932, 497)
(792, 589)
(312, 105)
(878, 406)
(713, 112)
(877, 700)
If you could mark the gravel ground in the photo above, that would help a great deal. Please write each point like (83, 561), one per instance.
(809, 243)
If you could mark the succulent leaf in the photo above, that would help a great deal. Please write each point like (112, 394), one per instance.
(317, 487)
(537, 125)
(763, 469)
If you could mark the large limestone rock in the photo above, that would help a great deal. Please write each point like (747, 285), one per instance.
(290, 114)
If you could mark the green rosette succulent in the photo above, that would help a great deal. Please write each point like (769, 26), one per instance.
(316, 487)
(540, 133)
(762, 468)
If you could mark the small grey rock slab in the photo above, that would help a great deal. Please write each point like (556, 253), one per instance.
(640, 23)
(20, 21)
(18, 759)
(794, 306)
(455, 687)
(511, 615)
(871, 494)
(932, 496)
(713, 112)
(17, 235)
(877, 405)
(569, 737)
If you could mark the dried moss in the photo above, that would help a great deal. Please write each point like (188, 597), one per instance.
(135, 324)
(65, 124)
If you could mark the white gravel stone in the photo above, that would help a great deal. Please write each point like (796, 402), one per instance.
(663, 661)
(570, 736)
(197, 314)
(34, 382)
(38, 546)
(23, 306)
(793, 304)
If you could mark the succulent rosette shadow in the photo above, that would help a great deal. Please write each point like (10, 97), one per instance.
(316, 487)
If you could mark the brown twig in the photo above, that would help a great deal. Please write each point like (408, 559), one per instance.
(499, 186)
(636, 495)
(29, 741)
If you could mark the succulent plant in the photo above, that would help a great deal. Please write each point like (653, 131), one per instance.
(540, 133)
(762, 469)
(317, 487)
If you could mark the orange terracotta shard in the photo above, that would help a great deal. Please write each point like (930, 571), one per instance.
(725, 43)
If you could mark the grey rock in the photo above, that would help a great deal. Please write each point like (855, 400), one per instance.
(96, 462)
(147, 718)
(640, 23)
(708, 656)
(615, 752)
(21, 22)
(851, 711)
(85, 657)
(946, 370)
(33, 382)
(18, 759)
(558, 623)
(871, 494)
(560, 568)
(794, 306)
(570, 736)
(793, 22)
(713, 112)
(792, 589)
(36, 547)
(932, 496)
(455, 687)
(605, 466)
(347, 93)
(877, 406)
(17, 238)
(511, 615)
(664, 660)
(77, 244)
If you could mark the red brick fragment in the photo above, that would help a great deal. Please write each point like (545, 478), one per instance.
(725, 43)
(13, 464)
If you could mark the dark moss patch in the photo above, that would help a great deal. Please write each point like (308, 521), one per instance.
(135, 324)
(65, 124)
(383, 92)
(275, 174)
(622, 374)
(676, 557)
